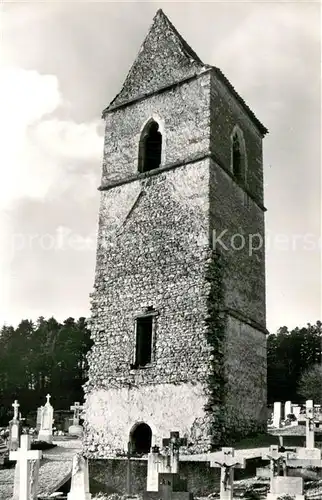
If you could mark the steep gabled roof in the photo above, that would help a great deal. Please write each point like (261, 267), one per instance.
(166, 59)
(241, 101)
(163, 59)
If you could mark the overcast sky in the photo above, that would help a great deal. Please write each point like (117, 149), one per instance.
(62, 63)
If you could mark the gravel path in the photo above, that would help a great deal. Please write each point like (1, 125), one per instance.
(55, 470)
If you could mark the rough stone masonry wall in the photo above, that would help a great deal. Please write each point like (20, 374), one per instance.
(183, 114)
(246, 369)
(226, 112)
(156, 256)
(239, 217)
(153, 248)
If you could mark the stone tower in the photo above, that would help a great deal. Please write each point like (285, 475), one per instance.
(178, 308)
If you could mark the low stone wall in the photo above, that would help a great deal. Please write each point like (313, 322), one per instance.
(109, 476)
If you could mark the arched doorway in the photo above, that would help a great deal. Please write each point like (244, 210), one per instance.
(141, 439)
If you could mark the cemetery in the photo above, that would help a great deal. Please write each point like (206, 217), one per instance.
(42, 464)
(170, 396)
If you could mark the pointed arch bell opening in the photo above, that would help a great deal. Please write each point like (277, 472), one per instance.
(237, 158)
(150, 147)
(238, 155)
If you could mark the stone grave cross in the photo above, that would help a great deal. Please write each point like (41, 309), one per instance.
(27, 488)
(15, 405)
(46, 424)
(14, 428)
(77, 409)
(227, 463)
(277, 461)
(174, 444)
(280, 485)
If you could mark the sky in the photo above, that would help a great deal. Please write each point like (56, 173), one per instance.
(61, 65)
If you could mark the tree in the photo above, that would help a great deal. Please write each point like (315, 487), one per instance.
(47, 356)
(310, 384)
(289, 354)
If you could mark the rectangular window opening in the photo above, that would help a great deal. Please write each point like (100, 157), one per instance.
(143, 351)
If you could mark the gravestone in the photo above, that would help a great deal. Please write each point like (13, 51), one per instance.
(287, 409)
(158, 464)
(305, 457)
(174, 444)
(26, 471)
(38, 422)
(14, 428)
(170, 487)
(76, 429)
(155, 466)
(227, 463)
(309, 416)
(164, 463)
(46, 424)
(296, 409)
(277, 414)
(79, 489)
(318, 411)
(283, 485)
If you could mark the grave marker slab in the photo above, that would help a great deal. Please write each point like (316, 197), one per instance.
(305, 457)
(287, 408)
(170, 487)
(282, 485)
(309, 416)
(79, 489)
(156, 464)
(277, 414)
(308, 454)
(38, 422)
(296, 410)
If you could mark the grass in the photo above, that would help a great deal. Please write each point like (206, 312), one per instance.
(42, 445)
(258, 441)
(268, 439)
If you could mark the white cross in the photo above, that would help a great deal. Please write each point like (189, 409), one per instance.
(48, 398)
(227, 462)
(77, 408)
(309, 416)
(23, 455)
(277, 459)
(15, 405)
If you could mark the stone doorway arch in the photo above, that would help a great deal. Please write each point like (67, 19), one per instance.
(141, 439)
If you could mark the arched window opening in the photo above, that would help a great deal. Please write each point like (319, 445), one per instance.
(150, 148)
(237, 158)
(141, 439)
